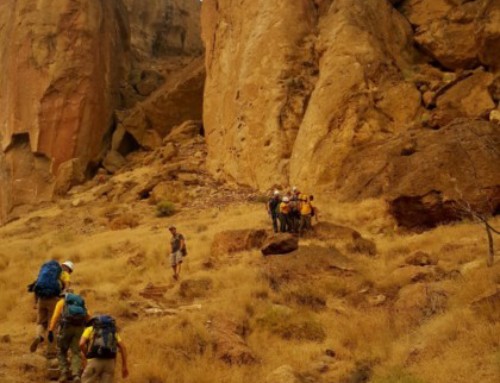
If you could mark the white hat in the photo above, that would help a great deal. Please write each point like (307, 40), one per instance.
(276, 192)
(70, 265)
(286, 199)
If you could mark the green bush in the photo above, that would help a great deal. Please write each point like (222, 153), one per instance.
(165, 209)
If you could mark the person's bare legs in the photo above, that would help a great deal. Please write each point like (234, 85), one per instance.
(179, 269)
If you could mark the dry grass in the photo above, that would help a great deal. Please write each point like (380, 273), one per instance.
(289, 309)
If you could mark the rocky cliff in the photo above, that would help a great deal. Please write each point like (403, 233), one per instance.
(312, 92)
(66, 67)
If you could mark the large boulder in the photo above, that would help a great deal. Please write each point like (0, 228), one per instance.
(233, 241)
(281, 243)
(468, 97)
(178, 100)
(61, 65)
(428, 175)
(459, 34)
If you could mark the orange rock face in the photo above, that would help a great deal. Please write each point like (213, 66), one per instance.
(66, 66)
(315, 93)
(61, 63)
(288, 93)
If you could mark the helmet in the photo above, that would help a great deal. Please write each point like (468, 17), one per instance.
(276, 192)
(286, 199)
(70, 265)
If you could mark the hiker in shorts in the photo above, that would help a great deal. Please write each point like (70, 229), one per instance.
(178, 251)
(52, 280)
(70, 316)
(99, 344)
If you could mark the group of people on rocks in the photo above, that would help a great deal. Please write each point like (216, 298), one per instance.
(86, 347)
(291, 212)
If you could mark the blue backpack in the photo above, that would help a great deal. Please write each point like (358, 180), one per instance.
(103, 344)
(74, 311)
(47, 284)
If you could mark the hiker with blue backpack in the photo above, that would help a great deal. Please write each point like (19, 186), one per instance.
(99, 344)
(70, 317)
(53, 278)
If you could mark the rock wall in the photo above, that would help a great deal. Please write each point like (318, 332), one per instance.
(61, 63)
(66, 66)
(297, 91)
(312, 78)
(165, 27)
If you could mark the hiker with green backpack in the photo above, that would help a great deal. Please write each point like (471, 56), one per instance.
(99, 344)
(70, 316)
(53, 278)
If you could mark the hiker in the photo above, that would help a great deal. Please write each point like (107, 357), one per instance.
(306, 214)
(295, 194)
(52, 280)
(315, 211)
(178, 251)
(273, 209)
(284, 215)
(99, 345)
(70, 316)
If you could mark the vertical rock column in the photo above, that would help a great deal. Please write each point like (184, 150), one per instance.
(256, 55)
(61, 63)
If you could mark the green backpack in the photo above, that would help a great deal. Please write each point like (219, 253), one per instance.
(74, 311)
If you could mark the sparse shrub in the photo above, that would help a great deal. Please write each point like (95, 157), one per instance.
(289, 326)
(165, 208)
(308, 297)
(124, 221)
(195, 288)
(398, 376)
(201, 228)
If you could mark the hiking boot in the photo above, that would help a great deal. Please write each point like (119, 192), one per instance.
(35, 343)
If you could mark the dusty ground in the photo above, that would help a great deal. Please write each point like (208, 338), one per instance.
(327, 312)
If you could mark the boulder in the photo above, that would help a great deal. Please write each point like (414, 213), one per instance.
(459, 34)
(467, 98)
(426, 186)
(173, 191)
(71, 173)
(229, 346)
(234, 241)
(113, 161)
(281, 243)
(179, 99)
(185, 131)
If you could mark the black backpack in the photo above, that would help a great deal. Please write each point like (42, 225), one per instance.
(103, 344)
